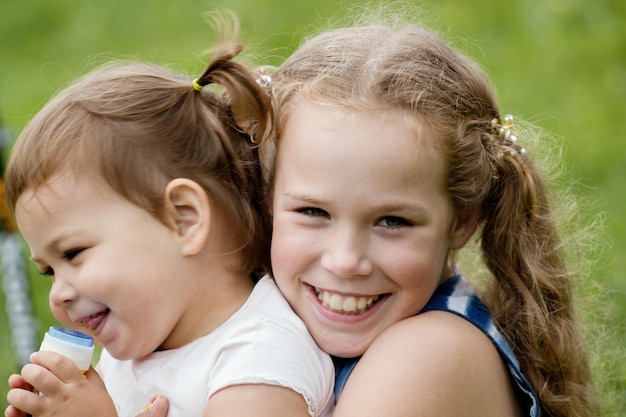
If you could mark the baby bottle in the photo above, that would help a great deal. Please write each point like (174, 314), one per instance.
(74, 345)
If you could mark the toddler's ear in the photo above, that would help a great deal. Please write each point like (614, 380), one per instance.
(189, 211)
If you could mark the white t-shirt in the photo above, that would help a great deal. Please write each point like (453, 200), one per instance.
(264, 342)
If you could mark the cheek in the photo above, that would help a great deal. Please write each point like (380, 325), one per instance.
(284, 246)
(281, 259)
(414, 267)
(288, 262)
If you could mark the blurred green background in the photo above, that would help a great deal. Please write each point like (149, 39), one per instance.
(558, 63)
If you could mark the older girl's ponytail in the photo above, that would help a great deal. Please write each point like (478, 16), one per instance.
(531, 296)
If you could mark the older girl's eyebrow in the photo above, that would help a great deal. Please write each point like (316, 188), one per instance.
(401, 206)
(383, 208)
(305, 198)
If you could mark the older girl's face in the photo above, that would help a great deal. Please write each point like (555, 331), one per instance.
(362, 222)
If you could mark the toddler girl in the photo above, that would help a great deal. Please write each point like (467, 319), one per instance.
(138, 192)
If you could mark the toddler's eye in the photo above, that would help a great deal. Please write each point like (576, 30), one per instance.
(71, 254)
(393, 222)
(313, 212)
(47, 272)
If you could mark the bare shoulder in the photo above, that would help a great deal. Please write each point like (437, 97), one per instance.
(432, 364)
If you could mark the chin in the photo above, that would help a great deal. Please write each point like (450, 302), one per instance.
(343, 349)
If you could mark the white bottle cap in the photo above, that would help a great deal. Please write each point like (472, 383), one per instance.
(70, 343)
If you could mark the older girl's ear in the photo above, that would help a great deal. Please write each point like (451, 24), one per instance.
(463, 229)
(189, 212)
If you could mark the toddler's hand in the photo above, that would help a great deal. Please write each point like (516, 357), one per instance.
(63, 390)
(18, 383)
(157, 407)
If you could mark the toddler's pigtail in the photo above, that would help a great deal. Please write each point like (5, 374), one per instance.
(246, 116)
(248, 101)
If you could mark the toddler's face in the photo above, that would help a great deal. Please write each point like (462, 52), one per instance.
(114, 267)
(362, 222)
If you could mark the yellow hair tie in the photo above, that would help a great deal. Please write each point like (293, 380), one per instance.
(196, 86)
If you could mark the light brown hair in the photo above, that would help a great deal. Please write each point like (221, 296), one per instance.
(414, 70)
(141, 125)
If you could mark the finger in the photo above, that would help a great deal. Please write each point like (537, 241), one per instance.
(59, 365)
(17, 381)
(24, 401)
(11, 411)
(157, 407)
(40, 378)
(94, 377)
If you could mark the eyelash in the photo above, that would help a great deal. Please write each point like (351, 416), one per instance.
(48, 272)
(399, 220)
(68, 255)
(71, 254)
(313, 212)
(318, 212)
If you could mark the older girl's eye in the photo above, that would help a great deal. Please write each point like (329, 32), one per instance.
(393, 222)
(313, 212)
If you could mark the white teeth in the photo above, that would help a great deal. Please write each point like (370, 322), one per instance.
(336, 302)
(344, 304)
(349, 304)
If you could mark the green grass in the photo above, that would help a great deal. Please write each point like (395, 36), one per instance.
(558, 63)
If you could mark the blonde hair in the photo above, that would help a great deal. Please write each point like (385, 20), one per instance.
(414, 70)
(140, 125)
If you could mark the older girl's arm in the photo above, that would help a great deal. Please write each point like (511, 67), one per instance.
(433, 364)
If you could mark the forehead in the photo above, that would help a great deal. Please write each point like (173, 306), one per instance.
(421, 127)
(398, 131)
(333, 143)
(61, 187)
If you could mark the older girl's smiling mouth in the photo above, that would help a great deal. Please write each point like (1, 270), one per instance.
(345, 303)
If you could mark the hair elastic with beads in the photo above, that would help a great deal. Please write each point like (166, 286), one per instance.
(196, 86)
(263, 79)
(504, 131)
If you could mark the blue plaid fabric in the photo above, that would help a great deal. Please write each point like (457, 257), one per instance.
(457, 297)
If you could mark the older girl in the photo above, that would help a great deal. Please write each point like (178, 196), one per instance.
(391, 152)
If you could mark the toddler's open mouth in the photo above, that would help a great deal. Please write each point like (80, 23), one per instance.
(93, 321)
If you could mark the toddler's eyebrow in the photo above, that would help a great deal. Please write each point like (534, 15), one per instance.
(53, 244)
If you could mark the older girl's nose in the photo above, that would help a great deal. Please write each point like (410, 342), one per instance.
(346, 256)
